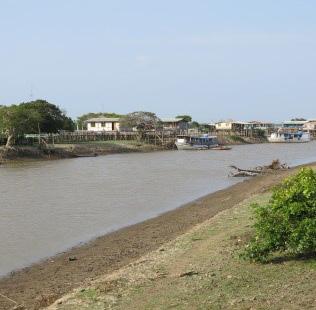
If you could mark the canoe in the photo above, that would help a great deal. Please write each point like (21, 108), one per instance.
(221, 148)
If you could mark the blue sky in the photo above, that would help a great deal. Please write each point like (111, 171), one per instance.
(212, 59)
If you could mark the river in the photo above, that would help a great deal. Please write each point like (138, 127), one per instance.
(47, 207)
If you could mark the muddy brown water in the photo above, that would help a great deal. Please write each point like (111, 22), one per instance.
(47, 207)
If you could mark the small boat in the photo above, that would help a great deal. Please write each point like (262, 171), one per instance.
(204, 142)
(221, 148)
(85, 155)
(290, 137)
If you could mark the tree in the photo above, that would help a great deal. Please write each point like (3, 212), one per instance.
(194, 125)
(186, 118)
(81, 119)
(30, 117)
(298, 119)
(53, 119)
(16, 120)
(139, 120)
(288, 222)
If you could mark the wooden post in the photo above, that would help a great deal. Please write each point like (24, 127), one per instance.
(39, 135)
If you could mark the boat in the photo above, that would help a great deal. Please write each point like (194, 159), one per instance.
(204, 142)
(290, 137)
(221, 148)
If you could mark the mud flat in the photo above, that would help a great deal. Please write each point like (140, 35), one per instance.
(42, 283)
(60, 151)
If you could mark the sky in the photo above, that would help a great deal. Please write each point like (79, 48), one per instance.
(245, 59)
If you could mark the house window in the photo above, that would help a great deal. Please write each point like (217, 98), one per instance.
(92, 124)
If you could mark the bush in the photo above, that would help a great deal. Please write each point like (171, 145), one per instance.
(288, 222)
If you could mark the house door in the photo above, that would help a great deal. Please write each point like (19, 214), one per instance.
(113, 126)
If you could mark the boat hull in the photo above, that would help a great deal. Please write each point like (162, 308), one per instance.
(298, 137)
(194, 147)
(287, 141)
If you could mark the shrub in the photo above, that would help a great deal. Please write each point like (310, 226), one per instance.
(288, 222)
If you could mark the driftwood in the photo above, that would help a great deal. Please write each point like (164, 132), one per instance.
(275, 165)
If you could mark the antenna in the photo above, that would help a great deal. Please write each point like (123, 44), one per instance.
(31, 93)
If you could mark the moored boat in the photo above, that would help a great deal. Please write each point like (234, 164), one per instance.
(204, 142)
(221, 148)
(290, 137)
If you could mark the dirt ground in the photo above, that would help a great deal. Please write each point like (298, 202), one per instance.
(43, 283)
(201, 269)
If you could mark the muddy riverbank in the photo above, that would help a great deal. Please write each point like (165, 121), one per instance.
(61, 151)
(44, 282)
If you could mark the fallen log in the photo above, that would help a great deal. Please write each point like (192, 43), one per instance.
(243, 174)
(275, 165)
(256, 170)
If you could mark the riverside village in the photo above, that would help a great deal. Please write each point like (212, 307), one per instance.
(43, 125)
(157, 155)
(137, 211)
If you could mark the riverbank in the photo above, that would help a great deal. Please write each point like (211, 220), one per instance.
(96, 148)
(201, 269)
(61, 151)
(43, 283)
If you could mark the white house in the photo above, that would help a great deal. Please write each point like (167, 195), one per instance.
(310, 124)
(103, 124)
(230, 125)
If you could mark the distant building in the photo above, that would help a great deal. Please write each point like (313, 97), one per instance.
(230, 125)
(310, 125)
(259, 125)
(99, 124)
(174, 124)
(294, 124)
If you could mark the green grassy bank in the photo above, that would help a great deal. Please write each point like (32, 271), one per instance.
(202, 270)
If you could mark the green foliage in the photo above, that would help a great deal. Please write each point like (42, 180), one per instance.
(298, 119)
(236, 138)
(288, 222)
(15, 120)
(53, 118)
(194, 125)
(186, 118)
(260, 133)
(29, 117)
(81, 119)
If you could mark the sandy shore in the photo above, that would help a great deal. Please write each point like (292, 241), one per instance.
(44, 282)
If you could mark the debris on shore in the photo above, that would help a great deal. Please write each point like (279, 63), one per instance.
(259, 170)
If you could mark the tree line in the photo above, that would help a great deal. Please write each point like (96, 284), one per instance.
(40, 116)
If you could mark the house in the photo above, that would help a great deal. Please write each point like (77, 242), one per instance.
(99, 124)
(174, 124)
(252, 125)
(310, 125)
(230, 125)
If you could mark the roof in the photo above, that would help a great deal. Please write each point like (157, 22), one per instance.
(259, 122)
(231, 121)
(172, 120)
(102, 119)
(295, 122)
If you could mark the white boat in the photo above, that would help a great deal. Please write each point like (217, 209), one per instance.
(203, 142)
(290, 137)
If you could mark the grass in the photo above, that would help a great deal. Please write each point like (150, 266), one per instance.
(202, 270)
